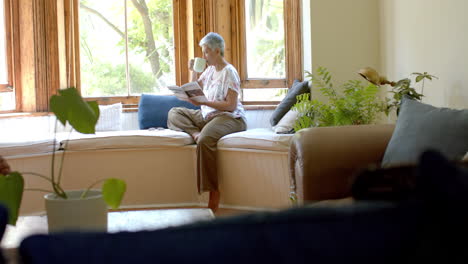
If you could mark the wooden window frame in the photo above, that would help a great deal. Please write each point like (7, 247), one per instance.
(12, 51)
(193, 19)
(52, 26)
(293, 49)
(7, 87)
(130, 102)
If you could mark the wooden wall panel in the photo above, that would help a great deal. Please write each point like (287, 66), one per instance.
(199, 25)
(27, 76)
(293, 41)
(181, 41)
(39, 53)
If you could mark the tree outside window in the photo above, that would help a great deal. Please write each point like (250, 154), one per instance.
(126, 47)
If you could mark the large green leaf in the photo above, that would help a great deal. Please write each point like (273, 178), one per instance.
(113, 191)
(11, 193)
(70, 106)
(58, 106)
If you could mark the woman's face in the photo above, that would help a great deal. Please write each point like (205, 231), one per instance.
(210, 55)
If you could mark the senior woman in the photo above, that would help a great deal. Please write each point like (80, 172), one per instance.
(222, 114)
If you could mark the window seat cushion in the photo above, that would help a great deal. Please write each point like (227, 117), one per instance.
(22, 144)
(258, 138)
(30, 143)
(128, 139)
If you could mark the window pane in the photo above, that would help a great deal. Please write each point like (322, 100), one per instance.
(7, 101)
(7, 95)
(269, 94)
(3, 54)
(265, 39)
(102, 48)
(151, 46)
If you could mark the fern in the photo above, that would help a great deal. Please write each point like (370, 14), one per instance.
(357, 105)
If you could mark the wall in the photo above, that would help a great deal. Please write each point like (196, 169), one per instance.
(428, 35)
(344, 36)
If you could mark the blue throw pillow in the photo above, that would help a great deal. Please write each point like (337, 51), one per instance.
(420, 127)
(153, 109)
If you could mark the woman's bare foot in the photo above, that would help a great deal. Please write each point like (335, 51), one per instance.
(213, 204)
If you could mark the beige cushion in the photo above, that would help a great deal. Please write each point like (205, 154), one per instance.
(125, 139)
(25, 143)
(110, 117)
(465, 158)
(286, 124)
(259, 138)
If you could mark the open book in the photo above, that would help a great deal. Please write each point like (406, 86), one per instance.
(190, 90)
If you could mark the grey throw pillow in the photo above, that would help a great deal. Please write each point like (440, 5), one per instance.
(421, 127)
(288, 101)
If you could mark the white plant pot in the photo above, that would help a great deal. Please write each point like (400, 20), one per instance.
(76, 214)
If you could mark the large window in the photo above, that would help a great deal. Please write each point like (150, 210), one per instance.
(7, 94)
(126, 47)
(269, 33)
(114, 50)
(264, 27)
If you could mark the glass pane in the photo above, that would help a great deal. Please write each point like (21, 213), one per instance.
(3, 54)
(265, 39)
(151, 46)
(7, 101)
(270, 94)
(102, 48)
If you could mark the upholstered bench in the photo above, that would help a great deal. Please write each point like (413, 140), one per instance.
(158, 164)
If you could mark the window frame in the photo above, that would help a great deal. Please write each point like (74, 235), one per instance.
(35, 75)
(130, 102)
(293, 50)
(7, 87)
(11, 41)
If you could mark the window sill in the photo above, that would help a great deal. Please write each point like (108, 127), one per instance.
(23, 114)
(260, 107)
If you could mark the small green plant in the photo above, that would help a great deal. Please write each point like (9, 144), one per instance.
(358, 104)
(403, 87)
(68, 106)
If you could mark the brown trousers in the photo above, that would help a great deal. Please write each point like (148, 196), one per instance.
(191, 121)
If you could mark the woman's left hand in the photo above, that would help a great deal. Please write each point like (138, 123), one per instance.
(194, 102)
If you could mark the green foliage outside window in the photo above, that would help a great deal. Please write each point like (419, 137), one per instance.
(150, 38)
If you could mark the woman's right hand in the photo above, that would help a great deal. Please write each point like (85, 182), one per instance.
(190, 64)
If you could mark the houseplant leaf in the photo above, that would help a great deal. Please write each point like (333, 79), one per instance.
(70, 106)
(113, 191)
(58, 106)
(11, 193)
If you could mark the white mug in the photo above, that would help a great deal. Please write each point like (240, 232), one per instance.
(199, 64)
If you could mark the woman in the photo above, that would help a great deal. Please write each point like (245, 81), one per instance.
(221, 115)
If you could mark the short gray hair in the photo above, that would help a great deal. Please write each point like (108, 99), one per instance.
(213, 41)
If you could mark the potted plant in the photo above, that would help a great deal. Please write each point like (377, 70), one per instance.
(69, 107)
(399, 89)
(357, 105)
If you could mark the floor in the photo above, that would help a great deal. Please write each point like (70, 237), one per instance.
(221, 212)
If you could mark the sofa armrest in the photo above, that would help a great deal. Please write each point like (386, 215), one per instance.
(322, 160)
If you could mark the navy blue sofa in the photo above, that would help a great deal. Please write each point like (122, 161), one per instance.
(423, 225)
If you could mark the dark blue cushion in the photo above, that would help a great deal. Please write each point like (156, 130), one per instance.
(153, 109)
(289, 100)
(3, 223)
(360, 233)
